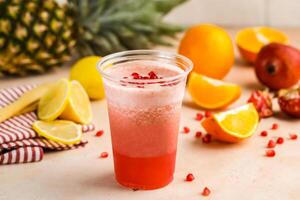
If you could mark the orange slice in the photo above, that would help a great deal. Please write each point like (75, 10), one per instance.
(211, 93)
(251, 40)
(233, 125)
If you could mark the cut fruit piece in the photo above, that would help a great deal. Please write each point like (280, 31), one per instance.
(63, 131)
(251, 40)
(211, 93)
(54, 101)
(78, 108)
(233, 125)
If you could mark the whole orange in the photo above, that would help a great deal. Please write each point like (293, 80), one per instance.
(210, 48)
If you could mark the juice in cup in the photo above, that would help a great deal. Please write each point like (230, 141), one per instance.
(144, 91)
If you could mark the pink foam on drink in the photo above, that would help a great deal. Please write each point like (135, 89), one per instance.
(144, 122)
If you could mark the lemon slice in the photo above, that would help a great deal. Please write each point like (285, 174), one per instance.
(233, 125)
(78, 108)
(54, 101)
(212, 93)
(63, 131)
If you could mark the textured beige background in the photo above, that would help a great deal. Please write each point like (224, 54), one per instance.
(231, 171)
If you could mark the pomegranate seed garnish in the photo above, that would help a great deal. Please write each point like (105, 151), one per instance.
(99, 133)
(270, 153)
(135, 75)
(198, 134)
(206, 191)
(271, 144)
(104, 155)
(293, 136)
(207, 114)
(152, 75)
(206, 139)
(186, 129)
(190, 177)
(280, 140)
(263, 133)
(199, 116)
(274, 126)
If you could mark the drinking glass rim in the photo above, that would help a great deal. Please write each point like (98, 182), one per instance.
(159, 53)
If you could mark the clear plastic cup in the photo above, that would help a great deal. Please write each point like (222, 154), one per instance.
(144, 114)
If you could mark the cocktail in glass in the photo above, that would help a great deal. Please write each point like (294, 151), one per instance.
(144, 91)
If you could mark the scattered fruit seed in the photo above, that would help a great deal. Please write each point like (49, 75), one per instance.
(198, 134)
(270, 153)
(135, 75)
(271, 144)
(99, 133)
(152, 75)
(293, 136)
(206, 191)
(199, 116)
(186, 129)
(207, 113)
(264, 133)
(274, 126)
(104, 155)
(280, 140)
(190, 177)
(206, 139)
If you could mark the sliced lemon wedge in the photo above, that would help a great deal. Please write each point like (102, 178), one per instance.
(78, 108)
(63, 131)
(54, 101)
(233, 125)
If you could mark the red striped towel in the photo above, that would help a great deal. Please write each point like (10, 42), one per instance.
(19, 143)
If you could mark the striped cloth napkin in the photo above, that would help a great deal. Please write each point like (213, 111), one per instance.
(19, 143)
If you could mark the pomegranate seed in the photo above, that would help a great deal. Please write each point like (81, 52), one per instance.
(274, 126)
(140, 86)
(293, 136)
(206, 139)
(271, 144)
(104, 155)
(270, 153)
(199, 116)
(280, 140)
(264, 133)
(152, 75)
(207, 114)
(135, 75)
(206, 191)
(99, 133)
(190, 177)
(198, 134)
(186, 129)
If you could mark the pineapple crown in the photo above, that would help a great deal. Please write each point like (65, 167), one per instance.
(107, 26)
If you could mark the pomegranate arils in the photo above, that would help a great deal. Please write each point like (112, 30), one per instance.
(207, 113)
(271, 144)
(198, 134)
(199, 116)
(206, 138)
(104, 155)
(262, 102)
(152, 75)
(135, 75)
(293, 136)
(186, 129)
(280, 140)
(190, 177)
(270, 153)
(274, 126)
(99, 133)
(264, 133)
(206, 191)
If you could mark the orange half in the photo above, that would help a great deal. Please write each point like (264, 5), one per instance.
(251, 40)
(233, 125)
(211, 93)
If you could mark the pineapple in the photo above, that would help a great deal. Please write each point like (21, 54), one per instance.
(37, 35)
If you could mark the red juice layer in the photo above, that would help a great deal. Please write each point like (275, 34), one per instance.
(144, 172)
